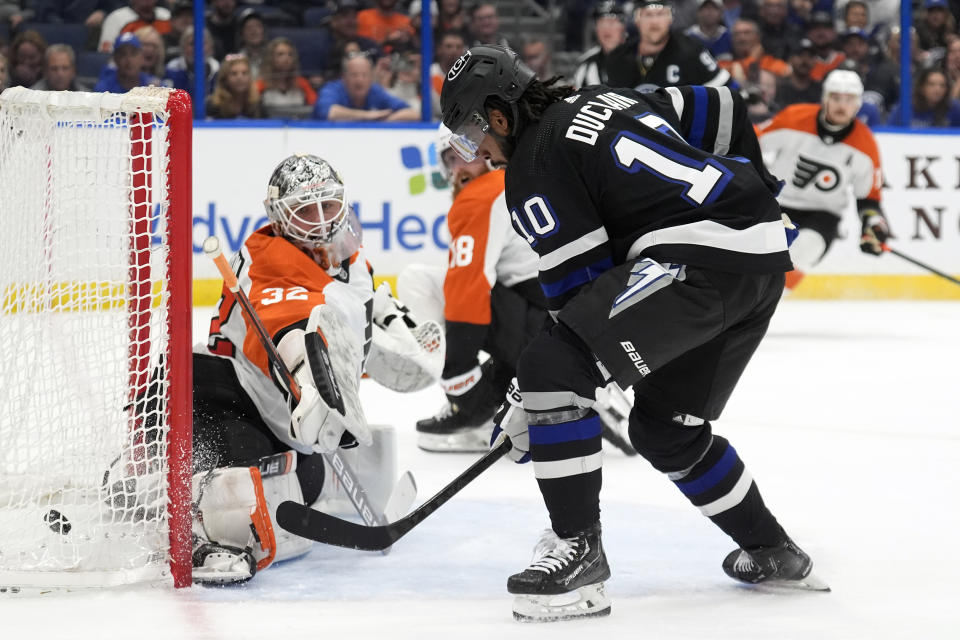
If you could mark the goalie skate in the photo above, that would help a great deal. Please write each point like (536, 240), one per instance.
(564, 581)
(451, 431)
(783, 566)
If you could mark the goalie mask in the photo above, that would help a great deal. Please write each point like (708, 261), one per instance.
(306, 204)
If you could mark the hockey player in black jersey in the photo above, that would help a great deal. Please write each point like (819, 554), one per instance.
(662, 255)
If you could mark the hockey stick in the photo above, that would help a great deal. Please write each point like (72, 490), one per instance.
(615, 422)
(341, 468)
(889, 249)
(322, 527)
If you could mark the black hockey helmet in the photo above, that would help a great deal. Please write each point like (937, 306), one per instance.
(482, 72)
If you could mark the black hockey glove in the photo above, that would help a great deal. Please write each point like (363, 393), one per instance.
(874, 233)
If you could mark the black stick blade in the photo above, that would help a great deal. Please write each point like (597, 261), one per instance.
(305, 522)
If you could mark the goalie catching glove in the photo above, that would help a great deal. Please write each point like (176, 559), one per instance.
(875, 232)
(325, 361)
(404, 355)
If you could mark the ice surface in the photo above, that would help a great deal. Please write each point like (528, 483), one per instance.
(847, 418)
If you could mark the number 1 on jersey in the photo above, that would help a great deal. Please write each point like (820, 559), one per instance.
(703, 179)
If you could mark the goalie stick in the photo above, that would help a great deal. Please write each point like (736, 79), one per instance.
(341, 468)
(322, 527)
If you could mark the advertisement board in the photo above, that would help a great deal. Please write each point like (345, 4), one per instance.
(394, 182)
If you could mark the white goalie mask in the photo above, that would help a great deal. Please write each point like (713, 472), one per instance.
(306, 204)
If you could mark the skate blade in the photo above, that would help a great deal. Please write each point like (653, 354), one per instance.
(474, 441)
(590, 601)
(810, 583)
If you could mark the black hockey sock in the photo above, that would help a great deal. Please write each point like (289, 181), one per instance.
(722, 488)
(566, 461)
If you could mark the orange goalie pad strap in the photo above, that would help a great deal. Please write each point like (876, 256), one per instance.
(260, 516)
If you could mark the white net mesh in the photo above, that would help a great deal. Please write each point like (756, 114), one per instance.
(83, 390)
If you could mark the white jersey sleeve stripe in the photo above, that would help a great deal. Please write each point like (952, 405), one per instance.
(766, 237)
(718, 80)
(572, 249)
(677, 98)
(721, 144)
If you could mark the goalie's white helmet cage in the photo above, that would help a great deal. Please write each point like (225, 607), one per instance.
(95, 361)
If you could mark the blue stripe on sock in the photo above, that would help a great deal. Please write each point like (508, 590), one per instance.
(712, 477)
(565, 431)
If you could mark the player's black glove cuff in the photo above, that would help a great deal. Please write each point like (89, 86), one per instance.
(874, 232)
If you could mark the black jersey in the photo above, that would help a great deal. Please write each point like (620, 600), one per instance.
(612, 174)
(683, 61)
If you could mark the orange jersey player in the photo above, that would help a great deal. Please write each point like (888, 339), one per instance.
(487, 297)
(824, 153)
(312, 289)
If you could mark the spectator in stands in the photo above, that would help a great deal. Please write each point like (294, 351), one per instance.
(356, 97)
(610, 32)
(131, 18)
(761, 97)
(951, 65)
(235, 95)
(180, 71)
(87, 12)
(537, 54)
(856, 15)
(4, 74)
(60, 70)
(280, 84)
(126, 72)
(404, 80)
(710, 30)
(12, 13)
(799, 12)
(935, 24)
(932, 104)
(661, 57)
(181, 19)
(733, 10)
(799, 87)
(749, 57)
(252, 39)
(778, 35)
(890, 48)
(821, 33)
(450, 46)
(452, 18)
(881, 83)
(154, 51)
(26, 58)
(222, 22)
(383, 22)
(484, 25)
(341, 31)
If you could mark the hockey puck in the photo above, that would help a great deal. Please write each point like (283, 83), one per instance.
(58, 522)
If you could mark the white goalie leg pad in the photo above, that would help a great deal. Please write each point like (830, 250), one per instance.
(375, 467)
(234, 523)
(586, 602)
(407, 359)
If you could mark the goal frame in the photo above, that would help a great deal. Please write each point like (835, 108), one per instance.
(179, 274)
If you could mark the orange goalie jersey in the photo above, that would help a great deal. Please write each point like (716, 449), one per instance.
(284, 285)
(820, 176)
(484, 250)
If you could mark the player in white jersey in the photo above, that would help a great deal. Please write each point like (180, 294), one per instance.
(487, 297)
(824, 153)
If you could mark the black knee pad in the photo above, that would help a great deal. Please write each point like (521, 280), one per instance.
(558, 361)
(667, 444)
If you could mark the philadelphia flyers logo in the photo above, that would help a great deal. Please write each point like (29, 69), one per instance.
(458, 66)
(824, 177)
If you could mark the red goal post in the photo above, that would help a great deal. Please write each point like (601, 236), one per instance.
(95, 361)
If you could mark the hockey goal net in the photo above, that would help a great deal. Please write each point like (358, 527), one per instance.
(95, 371)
